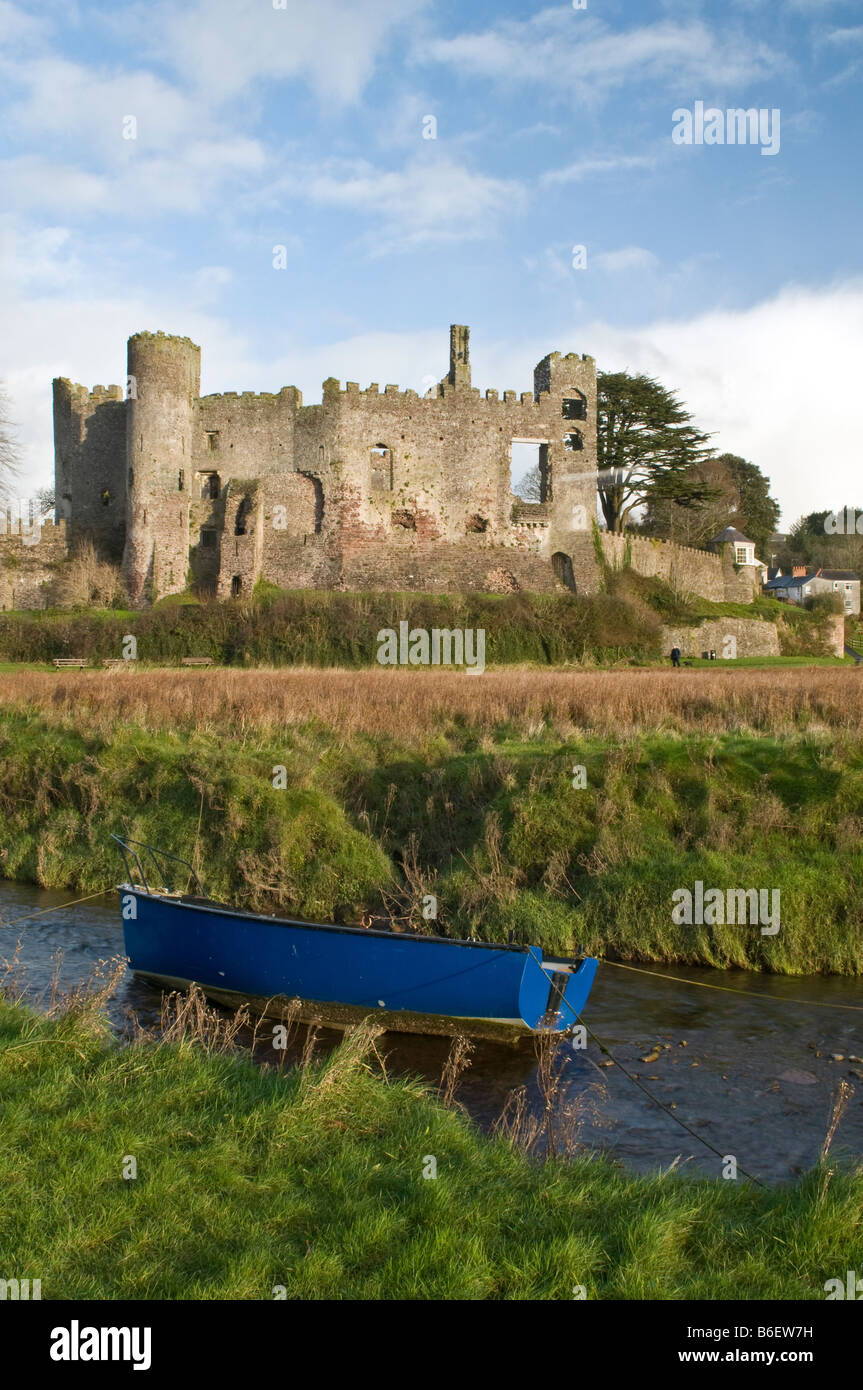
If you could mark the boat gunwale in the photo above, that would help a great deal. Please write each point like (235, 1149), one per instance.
(223, 910)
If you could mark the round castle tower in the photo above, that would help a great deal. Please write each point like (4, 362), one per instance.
(164, 379)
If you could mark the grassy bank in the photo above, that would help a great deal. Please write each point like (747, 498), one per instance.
(312, 1180)
(399, 785)
(324, 628)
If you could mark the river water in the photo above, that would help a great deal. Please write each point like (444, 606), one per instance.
(754, 1076)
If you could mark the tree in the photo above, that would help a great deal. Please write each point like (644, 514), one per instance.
(830, 540)
(758, 512)
(43, 500)
(529, 487)
(646, 447)
(697, 524)
(10, 454)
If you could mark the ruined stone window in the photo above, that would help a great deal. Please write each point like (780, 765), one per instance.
(381, 463)
(524, 472)
(106, 498)
(243, 511)
(131, 477)
(212, 440)
(211, 485)
(236, 586)
(208, 537)
(575, 407)
(574, 441)
(476, 523)
(181, 480)
(402, 517)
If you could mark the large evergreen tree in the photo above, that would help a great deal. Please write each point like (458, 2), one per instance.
(646, 447)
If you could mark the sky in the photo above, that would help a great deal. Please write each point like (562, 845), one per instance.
(319, 189)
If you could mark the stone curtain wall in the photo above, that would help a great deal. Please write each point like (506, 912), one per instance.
(753, 637)
(690, 571)
(27, 563)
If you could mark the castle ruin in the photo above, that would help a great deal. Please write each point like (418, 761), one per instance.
(370, 489)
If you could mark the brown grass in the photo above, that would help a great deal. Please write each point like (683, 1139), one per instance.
(408, 704)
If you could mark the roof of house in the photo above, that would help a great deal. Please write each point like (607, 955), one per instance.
(730, 533)
(796, 581)
(789, 581)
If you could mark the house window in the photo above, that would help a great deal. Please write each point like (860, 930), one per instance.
(741, 554)
(836, 586)
(208, 538)
(575, 407)
(573, 441)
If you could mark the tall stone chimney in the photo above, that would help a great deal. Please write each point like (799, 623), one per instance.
(459, 355)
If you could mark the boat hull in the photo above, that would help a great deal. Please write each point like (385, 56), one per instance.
(417, 984)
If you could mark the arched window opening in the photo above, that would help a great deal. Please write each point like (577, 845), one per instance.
(236, 586)
(562, 566)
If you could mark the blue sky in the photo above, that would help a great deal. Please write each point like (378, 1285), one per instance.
(733, 276)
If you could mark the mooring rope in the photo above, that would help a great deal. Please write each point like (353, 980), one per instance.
(58, 907)
(667, 1109)
(726, 989)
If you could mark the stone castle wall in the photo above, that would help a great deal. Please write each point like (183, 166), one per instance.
(689, 571)
(28, 560)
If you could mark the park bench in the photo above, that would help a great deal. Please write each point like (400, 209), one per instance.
(197, 660)
(62, 662)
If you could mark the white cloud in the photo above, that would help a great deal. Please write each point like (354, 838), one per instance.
(430, 200)
(333, 45)
(627, 258)
(777, 382)
(583, 57)
(586, 168)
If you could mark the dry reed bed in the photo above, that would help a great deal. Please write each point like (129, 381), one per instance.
(408, 703)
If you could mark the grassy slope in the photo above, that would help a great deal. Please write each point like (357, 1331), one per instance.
(322, 628)
(486, 818)
(249, 1179)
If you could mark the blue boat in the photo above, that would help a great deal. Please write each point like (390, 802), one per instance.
(336, 975)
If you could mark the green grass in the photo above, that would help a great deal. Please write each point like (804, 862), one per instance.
(491, 825)
(248, 1179)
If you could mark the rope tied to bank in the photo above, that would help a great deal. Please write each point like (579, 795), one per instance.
(726, 989)
(58, 907)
